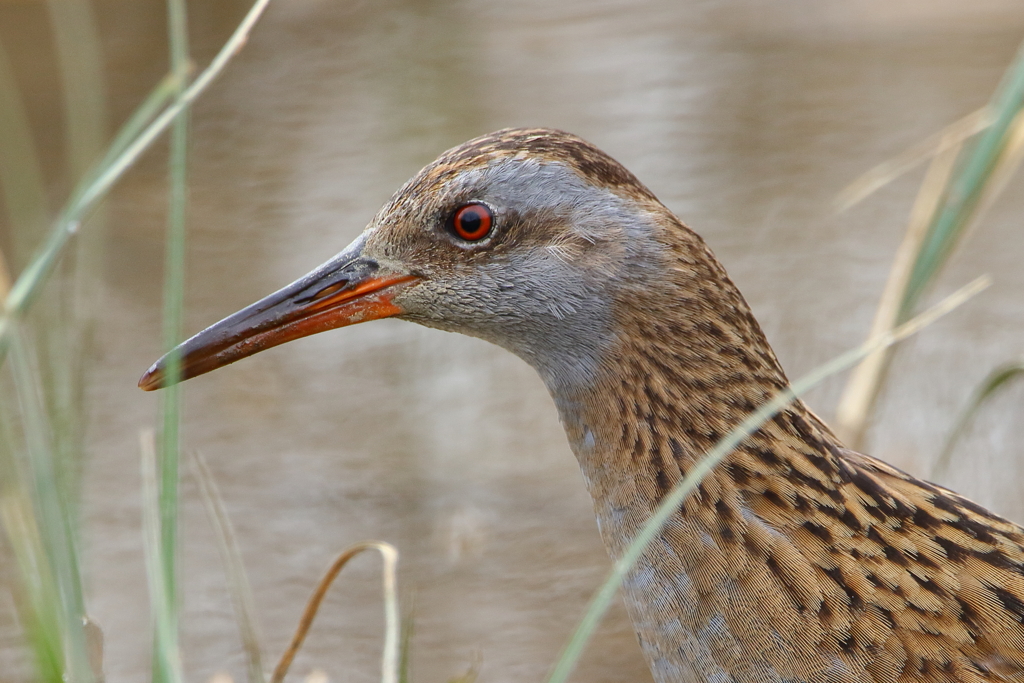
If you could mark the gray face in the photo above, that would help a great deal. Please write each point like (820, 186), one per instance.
(542, 284)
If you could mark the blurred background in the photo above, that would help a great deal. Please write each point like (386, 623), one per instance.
(745, 117)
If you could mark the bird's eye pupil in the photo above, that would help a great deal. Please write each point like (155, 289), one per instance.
(472, 222)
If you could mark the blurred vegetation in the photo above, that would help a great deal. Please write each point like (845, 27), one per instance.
(972, 162)
(45, 340)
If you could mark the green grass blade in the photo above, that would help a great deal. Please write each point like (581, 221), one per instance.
(37, 601)
(968, 186)
(31, 279)
(174, 287)
(52, 517)
(996, 380)
(953, 197)
(166, 650)
(37, 598)
(156, 100)
(670, 504)
(16, 302)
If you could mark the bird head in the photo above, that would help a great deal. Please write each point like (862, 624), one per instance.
(528, 238)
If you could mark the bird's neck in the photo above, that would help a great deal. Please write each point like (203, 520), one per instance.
(679, 377)
(688, 363)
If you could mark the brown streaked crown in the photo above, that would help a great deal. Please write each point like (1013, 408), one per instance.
(542, 144)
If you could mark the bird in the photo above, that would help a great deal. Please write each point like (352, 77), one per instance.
(797, 560)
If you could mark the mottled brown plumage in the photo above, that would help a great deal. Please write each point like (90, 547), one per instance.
(797, 560)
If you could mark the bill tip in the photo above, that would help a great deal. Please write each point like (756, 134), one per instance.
(151, 379)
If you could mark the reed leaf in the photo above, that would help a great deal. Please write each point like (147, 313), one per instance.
(968, 187)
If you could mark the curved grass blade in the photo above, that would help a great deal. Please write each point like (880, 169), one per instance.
(949, 214)
(996, 380)
(671, 502)
(392, 621)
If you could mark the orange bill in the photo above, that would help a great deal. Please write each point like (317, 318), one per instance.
(347, 290)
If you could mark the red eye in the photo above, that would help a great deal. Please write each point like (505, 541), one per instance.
(472, 222)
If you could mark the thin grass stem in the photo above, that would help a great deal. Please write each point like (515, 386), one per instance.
(881, 175)
(53, 519)
(234, 567)
(158, 98)
(174, 287)
(37, 601)
(32, 278)
(167, 649)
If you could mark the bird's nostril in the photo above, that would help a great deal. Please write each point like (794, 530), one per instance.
(331, 289)
(325, 292)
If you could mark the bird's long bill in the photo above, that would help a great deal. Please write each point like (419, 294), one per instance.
(346, 290)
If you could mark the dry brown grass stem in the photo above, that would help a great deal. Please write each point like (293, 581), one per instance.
(883, 174)
(389, 665)
(862, 387)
